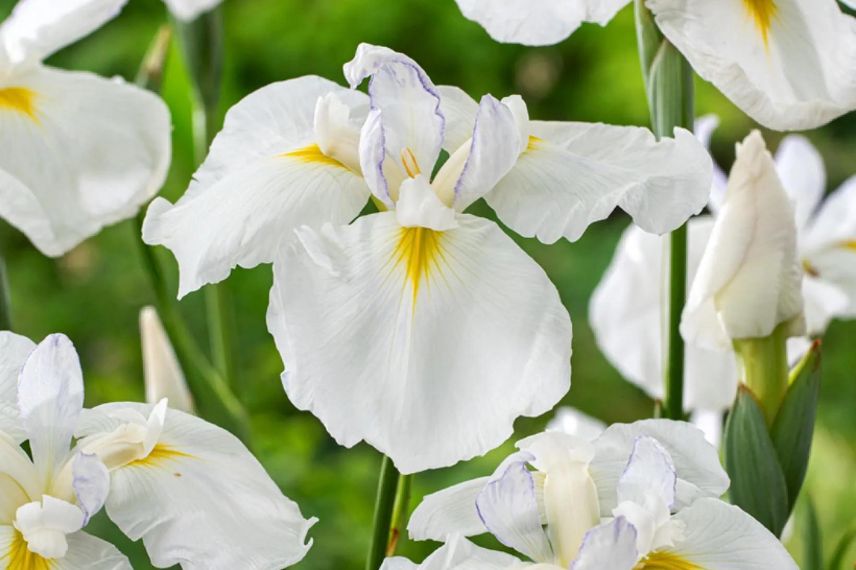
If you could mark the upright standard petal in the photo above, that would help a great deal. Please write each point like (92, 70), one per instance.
(198, 497)
(425, 344)
(626, 315)
(14, 350)
(38, 28)
(265, 175)
(789, 64)
(719, 536)
(573, 174)
(411, 123)
(50, 398)
(187, 10)
(749, 279)
(537, 22)
(79, 152)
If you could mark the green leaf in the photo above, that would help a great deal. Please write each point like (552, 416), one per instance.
(794, 424)
(837, 560)
(812, 540)
(757, 482)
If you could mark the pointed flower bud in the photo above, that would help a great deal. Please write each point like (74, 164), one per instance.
(161, 370)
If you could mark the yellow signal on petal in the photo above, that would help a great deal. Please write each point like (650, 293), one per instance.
(312, 154)
(19, 557)
(160, 455)
(763, 12)
(849, 244)
(419, 251)
(20, 100)
(664, 560)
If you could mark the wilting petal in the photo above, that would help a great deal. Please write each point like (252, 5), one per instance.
(749, 279)
(79, 152)
(719, 536)
(696, 462)
(537, 22)
(409, 106)
(626, 315)
(458, 554)
(38, 28)
(200, 499)
(50, 398)
(573, 174)
(425, 344)
(85, 552)
(14, 350)
(789, 64)
(187, 10)
(448, 512)
(610, 545)
(264, 176)
(508, 506)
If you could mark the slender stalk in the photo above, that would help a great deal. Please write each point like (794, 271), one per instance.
(5, 305)
(765, 369)
(387, 487)
(400, 512)
(201, 44)
(669, 86)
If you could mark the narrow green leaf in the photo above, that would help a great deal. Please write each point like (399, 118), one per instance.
(757, 482)
(837, 560)
(794, 424)
(812, 539)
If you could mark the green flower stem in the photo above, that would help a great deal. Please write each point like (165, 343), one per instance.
(5, 306)
(201, 43)
(387, 491)
(669, 86)
(764, 363)
(212, 394)
(400, 512)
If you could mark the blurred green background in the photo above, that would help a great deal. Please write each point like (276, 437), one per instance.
(94, 293)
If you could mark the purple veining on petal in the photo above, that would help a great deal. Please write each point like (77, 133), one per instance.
(669, 462)
(619, 525)
(85, 483)
(492, 100)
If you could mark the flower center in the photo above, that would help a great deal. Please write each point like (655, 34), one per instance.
(419, 250)
(411, 165)
(19, 556)
(664, 560)
(312, 154)
(763, 12)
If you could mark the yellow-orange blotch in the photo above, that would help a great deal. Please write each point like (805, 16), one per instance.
(420, 251)
(19, 100)
(19, 557)
(312, 154)
(160, 455)
(664, 560)
(763, 12)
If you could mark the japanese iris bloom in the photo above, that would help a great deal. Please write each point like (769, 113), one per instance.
(788, 64)
(425, 330)
(627, 306)
(77, 151)
(191, 491)
(641, 496)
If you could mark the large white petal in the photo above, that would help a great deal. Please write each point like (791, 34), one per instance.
(200, 499)
(696, 461)
(537, 22)
(824, 301)
(82, 153)
(626, 315)
(187, 10)
(85, 552)
(573, 174)
(14, 350)
(50, 398)
(447, 512)
(426, 345)
(264, 176)
(38, 28)
(409, 106)
(719, 536)
(576, 423)
(749, 278)
(789, 64)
